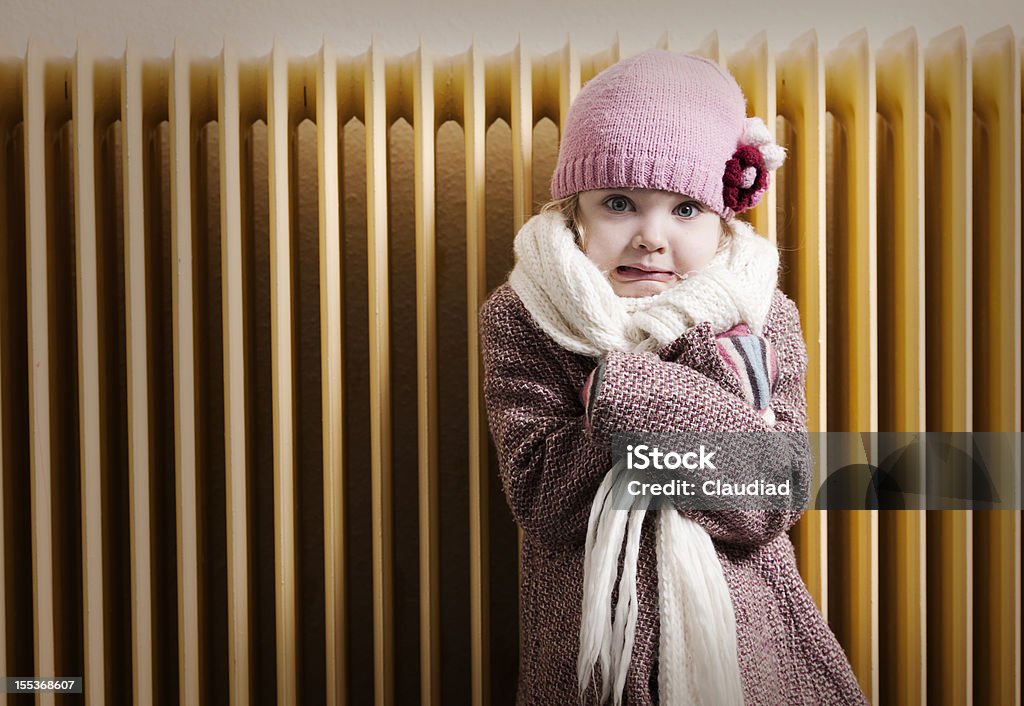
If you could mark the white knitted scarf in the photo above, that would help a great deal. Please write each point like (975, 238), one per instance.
(572, 300)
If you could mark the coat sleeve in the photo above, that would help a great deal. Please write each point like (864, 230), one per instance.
(550, 467)
(643, 393)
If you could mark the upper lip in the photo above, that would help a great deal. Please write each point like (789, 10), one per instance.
(645, 268)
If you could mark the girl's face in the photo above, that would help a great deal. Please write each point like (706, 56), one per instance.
(645, 239)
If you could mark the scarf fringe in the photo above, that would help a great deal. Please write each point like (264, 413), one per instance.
(696, 611)
(603, 640)
(698, 628)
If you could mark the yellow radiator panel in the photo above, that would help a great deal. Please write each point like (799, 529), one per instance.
(213, 410)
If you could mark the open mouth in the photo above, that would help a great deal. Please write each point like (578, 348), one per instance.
(632, 273)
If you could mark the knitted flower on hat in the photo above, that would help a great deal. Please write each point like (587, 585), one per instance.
(747, 173)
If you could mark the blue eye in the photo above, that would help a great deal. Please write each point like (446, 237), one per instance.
(617, 199)
(688, 209)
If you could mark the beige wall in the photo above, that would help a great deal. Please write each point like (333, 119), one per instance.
(449, 26)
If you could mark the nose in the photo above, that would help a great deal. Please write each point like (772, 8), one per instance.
(650, 236)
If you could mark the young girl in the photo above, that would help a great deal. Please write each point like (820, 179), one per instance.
(639, 303)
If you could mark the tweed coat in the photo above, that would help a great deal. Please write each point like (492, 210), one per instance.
(552, 458)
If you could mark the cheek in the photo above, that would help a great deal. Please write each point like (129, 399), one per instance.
(602, 261)
(701, 245)
(602, 246)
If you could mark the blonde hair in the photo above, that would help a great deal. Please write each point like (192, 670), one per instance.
(569, 207)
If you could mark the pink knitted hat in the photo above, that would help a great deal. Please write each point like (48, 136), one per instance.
(661, 120)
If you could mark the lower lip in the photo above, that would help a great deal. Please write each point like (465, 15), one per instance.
(636, 275)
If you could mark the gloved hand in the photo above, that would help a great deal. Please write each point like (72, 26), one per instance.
(753, 360)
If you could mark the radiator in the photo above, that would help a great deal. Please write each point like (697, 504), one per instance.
(244, 453)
